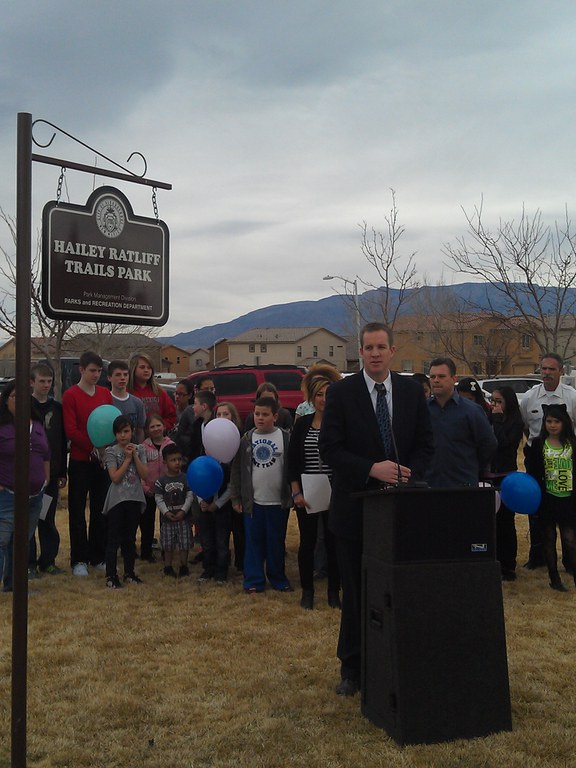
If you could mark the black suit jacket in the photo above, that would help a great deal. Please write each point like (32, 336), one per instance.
(350, 442)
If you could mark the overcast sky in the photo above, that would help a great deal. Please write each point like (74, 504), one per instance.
(283, 124)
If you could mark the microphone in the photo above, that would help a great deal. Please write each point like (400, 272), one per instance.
(396, 457)
(411, 483)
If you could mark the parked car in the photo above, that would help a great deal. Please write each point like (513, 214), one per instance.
(238, 384)
(520, 384)
(169, 387)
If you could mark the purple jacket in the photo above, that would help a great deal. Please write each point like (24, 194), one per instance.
(39, 453)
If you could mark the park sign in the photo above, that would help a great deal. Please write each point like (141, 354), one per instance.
(101, 263)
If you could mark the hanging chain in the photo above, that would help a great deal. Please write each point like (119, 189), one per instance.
(155, 204)
(60, 182)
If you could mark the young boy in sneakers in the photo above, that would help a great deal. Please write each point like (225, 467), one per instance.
(174, 499)
(259, 488)
(126, 465)
(86, 475)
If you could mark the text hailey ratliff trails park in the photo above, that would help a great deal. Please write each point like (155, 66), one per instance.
(102, 261)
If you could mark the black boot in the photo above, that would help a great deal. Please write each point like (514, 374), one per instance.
(334, 598)
(307, 599)
(556, 583)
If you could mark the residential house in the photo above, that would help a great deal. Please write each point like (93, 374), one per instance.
(292, 346)
(477, 343)
(200, 359)
(175, 360)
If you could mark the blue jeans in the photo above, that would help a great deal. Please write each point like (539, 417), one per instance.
(6, 552)
(265, 543)
(6, 525)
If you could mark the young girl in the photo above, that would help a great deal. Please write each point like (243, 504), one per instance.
(216, 518)
(182, 396)
(508, 427)
(155, 431)
(229, 411)
(126, 465)
(143, 384)
(552, 461)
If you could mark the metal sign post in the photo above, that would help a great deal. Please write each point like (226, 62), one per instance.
(25, 158)
(22, 429)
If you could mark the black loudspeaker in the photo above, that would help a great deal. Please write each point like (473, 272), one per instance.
(441, 525)
(434, 664)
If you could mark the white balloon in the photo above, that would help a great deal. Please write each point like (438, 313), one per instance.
(221, 439)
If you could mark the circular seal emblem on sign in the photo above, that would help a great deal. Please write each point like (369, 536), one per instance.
(110, 217)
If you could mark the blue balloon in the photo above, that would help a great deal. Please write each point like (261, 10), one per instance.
(99, 425)
(205, 476)
(521, 493)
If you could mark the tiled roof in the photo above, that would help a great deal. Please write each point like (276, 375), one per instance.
(278, 335)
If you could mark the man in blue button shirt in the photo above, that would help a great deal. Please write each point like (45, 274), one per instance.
(463, 438)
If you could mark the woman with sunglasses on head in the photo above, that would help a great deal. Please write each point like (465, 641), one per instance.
(469, 388)
(304, 458)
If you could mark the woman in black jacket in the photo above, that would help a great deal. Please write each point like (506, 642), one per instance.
(304, 458)
(508, 428)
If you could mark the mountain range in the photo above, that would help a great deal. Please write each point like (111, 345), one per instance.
(335, 312)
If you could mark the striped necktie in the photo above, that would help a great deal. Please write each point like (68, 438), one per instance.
(383, 418)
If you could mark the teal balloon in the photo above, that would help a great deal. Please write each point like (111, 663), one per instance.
(205, 476)
(521, 493)
(99, 425)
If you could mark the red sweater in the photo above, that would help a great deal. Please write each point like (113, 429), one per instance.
(77, 405)
(157, 403)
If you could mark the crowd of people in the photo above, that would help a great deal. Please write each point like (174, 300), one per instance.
(372, 429)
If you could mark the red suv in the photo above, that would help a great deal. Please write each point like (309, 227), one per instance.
(238, 384)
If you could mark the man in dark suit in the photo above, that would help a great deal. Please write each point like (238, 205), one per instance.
(353, 444)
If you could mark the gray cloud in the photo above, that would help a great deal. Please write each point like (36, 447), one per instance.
(283, 125)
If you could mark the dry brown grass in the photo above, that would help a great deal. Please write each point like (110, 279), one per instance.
(180, 676)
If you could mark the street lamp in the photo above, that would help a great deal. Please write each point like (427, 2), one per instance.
(346, 281)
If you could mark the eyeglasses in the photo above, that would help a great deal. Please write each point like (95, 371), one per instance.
(497, 400)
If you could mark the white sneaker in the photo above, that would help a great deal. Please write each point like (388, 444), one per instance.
(100, 567)
(80, 569)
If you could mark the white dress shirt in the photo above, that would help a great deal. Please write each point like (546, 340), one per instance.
(535, 398)
(371, 384)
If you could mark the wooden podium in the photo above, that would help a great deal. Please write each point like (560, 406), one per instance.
(434, 664)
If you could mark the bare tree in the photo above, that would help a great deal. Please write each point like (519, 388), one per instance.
(532, 269)
(396, 282)
(114, 339)
(450, 325)
(50, 335)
